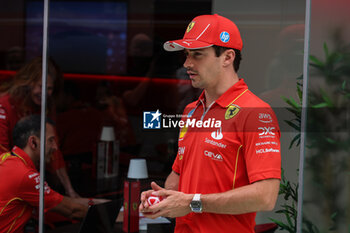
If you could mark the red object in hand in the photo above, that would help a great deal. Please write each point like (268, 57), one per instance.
(153, 199)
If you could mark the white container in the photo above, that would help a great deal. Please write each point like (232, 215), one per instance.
(137, 169)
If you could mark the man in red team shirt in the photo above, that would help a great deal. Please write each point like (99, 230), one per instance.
(20, 97)
(19, 186)
(223, 173)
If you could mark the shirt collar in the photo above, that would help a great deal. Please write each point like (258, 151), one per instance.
(230, 96)
(23, 156)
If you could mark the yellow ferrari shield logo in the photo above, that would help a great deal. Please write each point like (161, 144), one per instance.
(190, 26)
(231, 111)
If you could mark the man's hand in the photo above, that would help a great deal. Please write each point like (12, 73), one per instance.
(146, 194)
(100, 200)
(174, 204)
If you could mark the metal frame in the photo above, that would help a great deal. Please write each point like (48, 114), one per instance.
(43, 117)
(304, 115)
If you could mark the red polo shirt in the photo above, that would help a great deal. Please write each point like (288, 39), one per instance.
(8, 119)
(19, 191)
(239, 146)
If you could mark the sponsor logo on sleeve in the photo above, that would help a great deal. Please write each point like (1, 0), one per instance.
(2, 113)
(36, 177)
(266, 132)
(33, 175)
(46, 188)
(266, 143)
(181, 152)
(265, 118)
(267, 150)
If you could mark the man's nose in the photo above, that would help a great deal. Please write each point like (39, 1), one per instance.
(188, 63)
(54, 145)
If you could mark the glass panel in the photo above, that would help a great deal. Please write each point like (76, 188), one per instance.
(326, 175)
(115, 69)
(273, 38)
(20, 96)
(110, 72)
(104, 34)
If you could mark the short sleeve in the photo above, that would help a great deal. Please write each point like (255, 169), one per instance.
(187, 113)
(176, 167)
(29, 191)
(178, 160)
(261, 146)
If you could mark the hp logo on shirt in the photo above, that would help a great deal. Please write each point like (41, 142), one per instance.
(224, 37)
(151, 120)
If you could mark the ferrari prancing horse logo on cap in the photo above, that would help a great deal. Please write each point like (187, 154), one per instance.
(190, 26)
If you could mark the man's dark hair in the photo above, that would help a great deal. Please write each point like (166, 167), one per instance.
(26, 127)
(219, 50)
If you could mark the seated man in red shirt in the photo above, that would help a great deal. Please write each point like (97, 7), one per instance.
(19, 186)
(20, 96)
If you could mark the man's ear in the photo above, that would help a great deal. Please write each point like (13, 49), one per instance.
(229, 57)
(33, 143)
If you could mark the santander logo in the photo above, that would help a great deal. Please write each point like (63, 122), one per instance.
(217, 134)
